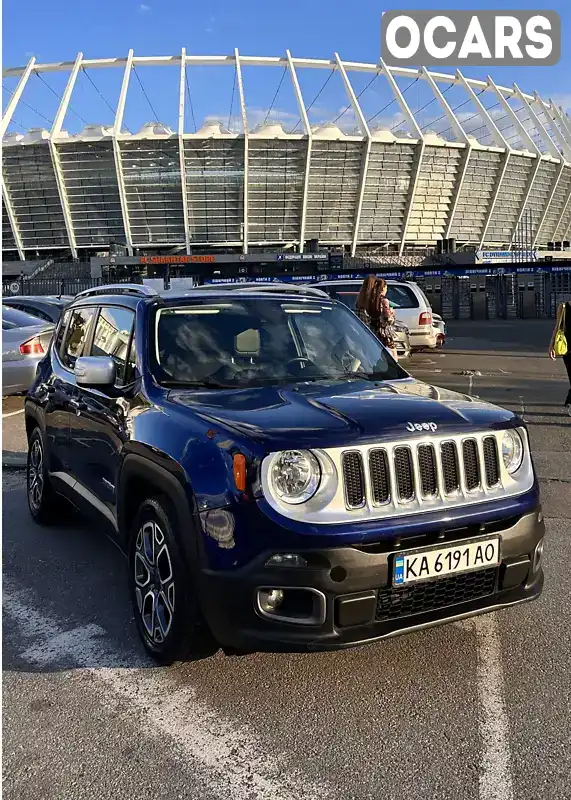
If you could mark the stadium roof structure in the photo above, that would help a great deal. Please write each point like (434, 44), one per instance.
(398, 182)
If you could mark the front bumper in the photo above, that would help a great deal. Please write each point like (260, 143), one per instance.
(354, 600)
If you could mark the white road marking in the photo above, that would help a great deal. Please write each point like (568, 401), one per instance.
(227, 756)
(496, 781)
(13, 413)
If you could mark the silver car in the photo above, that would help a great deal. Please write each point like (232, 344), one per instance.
(25, 341)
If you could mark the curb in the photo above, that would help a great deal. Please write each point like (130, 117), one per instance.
(14, 460)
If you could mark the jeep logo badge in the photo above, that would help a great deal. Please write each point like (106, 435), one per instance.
(421, 426)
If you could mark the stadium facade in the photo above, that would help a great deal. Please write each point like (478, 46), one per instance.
(161, 190)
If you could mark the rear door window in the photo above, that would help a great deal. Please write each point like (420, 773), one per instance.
(77, 335)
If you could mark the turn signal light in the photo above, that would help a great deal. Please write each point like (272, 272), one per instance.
(425, 318)
(240, 472)
(33, 347)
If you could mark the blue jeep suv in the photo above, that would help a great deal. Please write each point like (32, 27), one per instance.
(274, 477)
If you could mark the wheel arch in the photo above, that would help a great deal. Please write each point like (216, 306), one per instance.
(140, 478)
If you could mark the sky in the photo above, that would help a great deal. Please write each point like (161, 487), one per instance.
(57, 30)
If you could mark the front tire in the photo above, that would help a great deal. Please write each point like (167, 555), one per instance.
(43, 502)
(166, 611)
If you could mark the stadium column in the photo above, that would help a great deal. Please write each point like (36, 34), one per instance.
(245, 126)
(529, 144)
(548, 203)
(414, 128)
(499, 140)
(117, 125)
(305, 119)
(366, 147)
(54, 133)
(181, 97)
(462, 138)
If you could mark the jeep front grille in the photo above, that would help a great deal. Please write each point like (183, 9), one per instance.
(421, 472)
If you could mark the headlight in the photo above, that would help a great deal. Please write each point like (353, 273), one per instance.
(294, 476)
(512, 451)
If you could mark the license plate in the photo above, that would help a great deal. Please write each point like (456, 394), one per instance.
(424, 565)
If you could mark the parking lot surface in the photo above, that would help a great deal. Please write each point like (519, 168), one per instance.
(476, 710)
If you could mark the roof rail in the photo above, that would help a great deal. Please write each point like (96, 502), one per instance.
(118, 288)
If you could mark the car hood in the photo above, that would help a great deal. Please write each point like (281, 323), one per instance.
(338, 413)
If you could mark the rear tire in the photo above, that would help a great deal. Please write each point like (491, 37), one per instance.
(44, 504)
(165, 606)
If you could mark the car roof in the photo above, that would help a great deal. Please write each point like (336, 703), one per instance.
(356, 281)
(50, 300)
(132, 297)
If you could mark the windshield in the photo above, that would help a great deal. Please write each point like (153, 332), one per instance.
(245, 342)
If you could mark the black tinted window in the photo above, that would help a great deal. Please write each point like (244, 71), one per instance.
(77, 335)
(111, 338)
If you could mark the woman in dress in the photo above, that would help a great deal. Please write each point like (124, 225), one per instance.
(363, 303)
(382, 316)
(563, 323)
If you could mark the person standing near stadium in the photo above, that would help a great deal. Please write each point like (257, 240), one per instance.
(382, 316)
(363, 303)
(563, 325)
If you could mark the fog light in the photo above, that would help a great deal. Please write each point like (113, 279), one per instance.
(537, 556)
(270, 599)
(286, 560)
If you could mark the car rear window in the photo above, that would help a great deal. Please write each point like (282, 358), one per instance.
(400, 296)
(18, 319)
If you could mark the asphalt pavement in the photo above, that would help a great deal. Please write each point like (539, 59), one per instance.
(476, 710)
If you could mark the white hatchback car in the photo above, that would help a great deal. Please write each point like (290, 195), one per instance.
(410, 304)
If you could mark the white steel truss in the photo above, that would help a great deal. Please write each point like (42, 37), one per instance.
(554, 132)
(12, 219)
(246, 141)
(366, 151)
(305, 119)
(558, 133)
(54, 133)
(117, 127)
(15, 98)
(181, 99)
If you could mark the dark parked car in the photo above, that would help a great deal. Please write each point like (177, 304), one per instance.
(45, 308)
(276, 479)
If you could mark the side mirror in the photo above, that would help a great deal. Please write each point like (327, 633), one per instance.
(95, 371)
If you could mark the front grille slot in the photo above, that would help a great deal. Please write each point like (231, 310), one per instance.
(380, 476)
(404, 473)
(471, 464)
(491, 461)
(450, 471)
(427, 469)
(419, 598)
(354, 480)
(421, 472)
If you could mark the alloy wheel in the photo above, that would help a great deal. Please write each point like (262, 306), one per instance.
(154, 582)
(36, 475)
